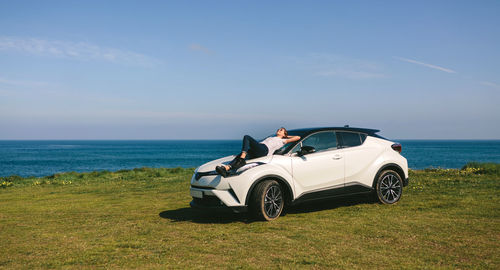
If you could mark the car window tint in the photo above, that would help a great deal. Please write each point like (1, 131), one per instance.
(363, 137)
(282, 150)
(296, 148)
(350, 139)
(322, 140)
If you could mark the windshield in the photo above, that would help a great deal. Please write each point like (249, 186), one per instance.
(287, 147)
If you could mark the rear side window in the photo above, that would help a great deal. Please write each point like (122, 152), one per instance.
(350, 139)
(363, 137)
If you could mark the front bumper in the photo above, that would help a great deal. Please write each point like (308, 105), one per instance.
(210, 198)
(212, 203)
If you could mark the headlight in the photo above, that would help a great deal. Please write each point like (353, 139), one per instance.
(248, 167)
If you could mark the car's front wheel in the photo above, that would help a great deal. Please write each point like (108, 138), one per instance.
(389, 187)
(267, 200)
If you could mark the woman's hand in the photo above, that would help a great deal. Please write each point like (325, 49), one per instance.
(292, 139)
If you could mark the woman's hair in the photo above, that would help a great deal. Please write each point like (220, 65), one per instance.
(286, 132)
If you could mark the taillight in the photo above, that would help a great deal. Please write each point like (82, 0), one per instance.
(396, 147)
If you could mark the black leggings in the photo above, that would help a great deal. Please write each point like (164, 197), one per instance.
(253, 148)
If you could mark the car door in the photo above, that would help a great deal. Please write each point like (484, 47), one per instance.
(322, 169)
(358, 157)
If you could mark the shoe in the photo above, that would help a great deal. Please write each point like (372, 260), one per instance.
(237, 163)
(221, 170)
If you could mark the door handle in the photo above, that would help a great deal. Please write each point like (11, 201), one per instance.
(337, 156)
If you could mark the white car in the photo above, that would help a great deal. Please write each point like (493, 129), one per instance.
(324, 163)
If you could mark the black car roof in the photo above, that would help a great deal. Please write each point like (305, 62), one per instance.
(302, 132)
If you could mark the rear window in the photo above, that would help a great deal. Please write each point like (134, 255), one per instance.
(350, 139)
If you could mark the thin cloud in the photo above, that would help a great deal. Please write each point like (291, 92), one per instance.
(134, 116)
(351, 74)
(82, 51)
(200, 48)
(22, 83)
(426, 65)
(331, 65)
(490, 84)
(169, 116)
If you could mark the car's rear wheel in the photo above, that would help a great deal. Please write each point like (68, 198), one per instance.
(267, 200)
(389, 187)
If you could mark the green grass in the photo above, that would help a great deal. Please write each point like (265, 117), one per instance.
(141, 219)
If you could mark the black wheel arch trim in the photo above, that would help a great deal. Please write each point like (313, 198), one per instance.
(397, 168)
(281, 180)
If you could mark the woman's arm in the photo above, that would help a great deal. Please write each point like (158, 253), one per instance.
(292, 139)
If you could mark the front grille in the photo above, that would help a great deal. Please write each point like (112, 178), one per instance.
(208, 201)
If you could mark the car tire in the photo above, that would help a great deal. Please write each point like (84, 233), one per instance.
(389, 187)
(267, 201)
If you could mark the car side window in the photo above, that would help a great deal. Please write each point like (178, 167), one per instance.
(296, 148)
(363, 137)
(350, 139)
(321, 141)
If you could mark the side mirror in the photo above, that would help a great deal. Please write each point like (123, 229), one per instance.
(305, 149)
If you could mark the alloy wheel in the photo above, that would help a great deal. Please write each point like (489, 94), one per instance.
(390, 188)
(273, 201)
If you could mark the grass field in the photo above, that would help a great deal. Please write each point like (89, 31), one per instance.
(141, 219)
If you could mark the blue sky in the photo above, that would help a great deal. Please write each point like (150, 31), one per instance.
(222, 69)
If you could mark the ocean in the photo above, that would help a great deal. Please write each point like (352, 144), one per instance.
(42, 158)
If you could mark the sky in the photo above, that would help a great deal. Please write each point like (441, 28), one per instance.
(223, 69)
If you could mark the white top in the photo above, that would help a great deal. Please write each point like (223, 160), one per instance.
(273, 144)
